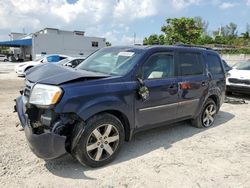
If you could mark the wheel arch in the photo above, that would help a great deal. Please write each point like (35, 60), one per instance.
(30, 66)
(122, 117)
(216, 99)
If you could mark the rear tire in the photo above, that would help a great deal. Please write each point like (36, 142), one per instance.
(207, 115)
(101, 141)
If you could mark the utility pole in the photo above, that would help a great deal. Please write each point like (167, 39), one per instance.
(134, 38)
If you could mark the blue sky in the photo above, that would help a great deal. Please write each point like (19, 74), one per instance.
(117, 20)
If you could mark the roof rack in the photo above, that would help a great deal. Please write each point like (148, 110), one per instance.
(193, 46)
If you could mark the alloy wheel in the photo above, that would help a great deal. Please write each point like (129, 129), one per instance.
(208, 115)
(102, 142)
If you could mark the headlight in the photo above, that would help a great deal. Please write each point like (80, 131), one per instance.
(45, 95)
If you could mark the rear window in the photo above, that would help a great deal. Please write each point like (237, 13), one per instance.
(189, 64)
(214, 64)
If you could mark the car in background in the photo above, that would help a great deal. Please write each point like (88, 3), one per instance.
(21, 68)
(3, 58)
(226, 66)
(238, 79)
(71, 61)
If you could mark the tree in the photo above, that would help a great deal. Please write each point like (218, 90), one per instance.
(145, 41)
(4, 49)
(203, 24)
(152, 39)
(231, 29)
(246, 35)
(184, 30)
(161, 39)
(205, 39)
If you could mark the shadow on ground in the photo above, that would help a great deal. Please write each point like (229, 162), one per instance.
(239, 96)
(142, 143)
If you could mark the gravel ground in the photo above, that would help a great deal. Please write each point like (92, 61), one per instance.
(173, 156)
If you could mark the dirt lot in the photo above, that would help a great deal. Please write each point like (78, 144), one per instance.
(176, 156)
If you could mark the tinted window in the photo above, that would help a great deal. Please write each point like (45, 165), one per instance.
(53, 58)
(61, 58)
(159, 66)
(214, 64)
(189, 64)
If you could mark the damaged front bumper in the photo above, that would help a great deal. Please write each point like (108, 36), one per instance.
(45, 145)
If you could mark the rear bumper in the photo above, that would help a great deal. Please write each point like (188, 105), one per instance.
(45, 145)
(238, 89)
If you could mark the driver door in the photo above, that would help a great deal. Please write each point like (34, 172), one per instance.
(158, 73)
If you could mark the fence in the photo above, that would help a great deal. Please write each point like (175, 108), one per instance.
(232, 59)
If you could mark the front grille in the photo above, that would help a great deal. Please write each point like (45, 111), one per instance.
(27, 89)
(238, 81)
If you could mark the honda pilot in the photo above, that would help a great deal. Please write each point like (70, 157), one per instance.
(89, 111)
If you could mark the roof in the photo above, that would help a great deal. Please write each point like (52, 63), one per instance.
(166, 47)
(17, 43)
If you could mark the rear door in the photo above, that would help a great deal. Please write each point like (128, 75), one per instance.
(193, 84)
(158, 73)
(216, 74)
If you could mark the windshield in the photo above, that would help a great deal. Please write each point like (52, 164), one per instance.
(243, 65)
(62, 62)
(112, 61)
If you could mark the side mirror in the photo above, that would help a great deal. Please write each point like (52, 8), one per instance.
(143, 91)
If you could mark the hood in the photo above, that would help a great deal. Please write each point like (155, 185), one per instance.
(240, 74)
(22, 64)
(56, 74)
(28, 63)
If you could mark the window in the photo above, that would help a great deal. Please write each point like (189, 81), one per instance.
(94, 44)
(61, 58)
(243, 65)
(189, 64)
(214, 64)
(112, 61)
(159, 66)
(53, 58)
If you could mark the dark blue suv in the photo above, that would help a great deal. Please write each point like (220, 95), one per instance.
(91, 110)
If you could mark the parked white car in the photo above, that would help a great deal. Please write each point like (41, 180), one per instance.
(21, 68)
(3, 58)
(238, 79)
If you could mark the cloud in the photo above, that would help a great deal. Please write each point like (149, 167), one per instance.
(248, 2)
(181, 4)
(227, 5)
(94, 16)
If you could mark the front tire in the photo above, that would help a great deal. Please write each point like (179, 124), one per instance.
(101, 141)
(206, 118)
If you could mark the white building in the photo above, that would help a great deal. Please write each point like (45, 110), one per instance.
(54, 41)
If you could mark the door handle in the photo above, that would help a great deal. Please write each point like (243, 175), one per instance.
(171, 86)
